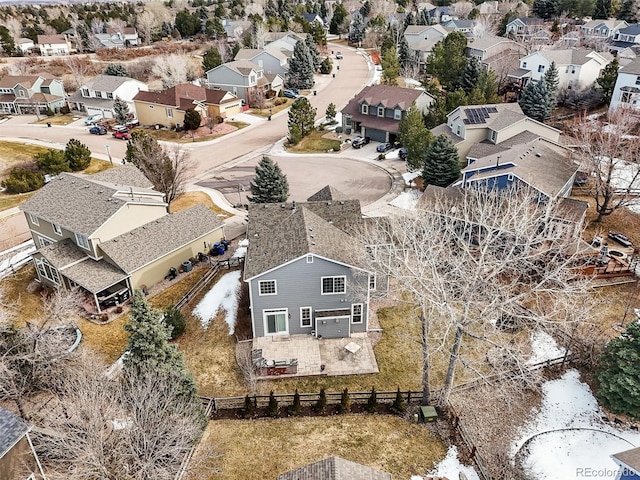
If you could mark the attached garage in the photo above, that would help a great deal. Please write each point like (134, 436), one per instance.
(375, 135)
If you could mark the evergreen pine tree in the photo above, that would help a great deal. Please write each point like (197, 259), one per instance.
(149, 348)
(398, 407)
(552, 79)
(270, 184)
(404, 53)
(211, 59)
(345, 402)
(53, 162)
(607, 79)
(77, 155)
(330, 113)
(339, 14)
(116, 70)
(415, 137)
(296, 407)
(603, 10)
(628, 11)
(249, 408)
(471, 75)
(488, 86)
(174, 319)
(441, 163)
(314, 54)
(390, 67)
(618, 373)
(321, 404)
(356, 28)
(302, 116)
(448, 60)
(536, 101)
(272, 408)
(120, 110)
(545, 8)
(300, 74)
(192, 119)
(372, 403)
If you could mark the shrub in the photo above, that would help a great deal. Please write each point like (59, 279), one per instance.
(296, 408)
(23, 179)
(372, 403)
(398, 406)
(77, 155)
(52, 162)
(219, 120)
(345, 402)
(279, 101)
(64, 110)
(321, 404)
(249, 408)
(326, 66)
(174, 318)
(50, 112)
(272, 409)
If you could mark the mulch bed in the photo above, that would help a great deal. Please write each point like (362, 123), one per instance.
(305, 411)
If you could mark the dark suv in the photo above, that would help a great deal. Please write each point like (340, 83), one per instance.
(360, 141)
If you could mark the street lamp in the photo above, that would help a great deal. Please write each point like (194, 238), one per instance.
(109, 153)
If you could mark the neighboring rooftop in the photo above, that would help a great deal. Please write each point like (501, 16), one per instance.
(182, 96)
(633, 67)
(327, 194)
(335, 468)
(51, 39)
(10, 81)
(12, 429)
(107, 83)
(630, 458)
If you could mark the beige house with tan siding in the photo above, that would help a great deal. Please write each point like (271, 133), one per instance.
(110, 233)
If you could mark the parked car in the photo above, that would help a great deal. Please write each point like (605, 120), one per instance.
(290, 93)
(339, 55)
(98, 130)
(403, 153)
(120, 128)
(384, 147)
(93, 119)
(122, 134)
(360, 141)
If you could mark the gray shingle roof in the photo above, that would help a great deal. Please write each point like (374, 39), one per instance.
(12, 429)
(335, 468)
(633, 29)
(327, 194)
(107, 83)
(633, 67)
(279, 233)
(143, 245)
(486, 147)
(81, 203)
(123, 175)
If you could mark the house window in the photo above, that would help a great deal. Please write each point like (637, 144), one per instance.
(540, 68)
(33, 219)
(170, 112)
(334, 285)
(637, 80)
(365, 109)
(305, 316)
(356, 313)
(524, 64)
(275, 321)
(57, 229)
(494, 136)
(47, 271)
(82, 241)
(252, 79)
(397, 114)
(21, 94)
(98, 94)
(626, 97)
(44, 241)
(309, 258)
(510, 177)
(573, 70)
(267, 287)
(372, 281)
(381, 111)
(109, 95)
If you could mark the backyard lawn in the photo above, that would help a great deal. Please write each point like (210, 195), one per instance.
(266, 447)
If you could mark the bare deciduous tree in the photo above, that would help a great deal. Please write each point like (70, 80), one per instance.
(146, 23)
(80, 68)
(478, 264)
(97, 25)
(608, 154)
(247, 367)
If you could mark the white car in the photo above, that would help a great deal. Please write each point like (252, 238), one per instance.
(93, 119)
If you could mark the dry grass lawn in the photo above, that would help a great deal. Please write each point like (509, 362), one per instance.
(315, 142)
(189, 199)
(13, 153)
(108, 340)
(58, 119)
(10, 200)
(97, 166)
(622, 220)
(246, 448)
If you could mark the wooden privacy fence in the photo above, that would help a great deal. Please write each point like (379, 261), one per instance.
(467, 439)
(333, 398)
(204, 281)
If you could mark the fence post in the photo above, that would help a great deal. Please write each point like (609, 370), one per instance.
(473, 451)
(409, 396)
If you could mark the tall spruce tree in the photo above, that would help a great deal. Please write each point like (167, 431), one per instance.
(415, 137)
(120, 110)
(314, 54)
(270, 184)
(211, 59)
(607, 79)
(603, 10)
(618, 373)
(536, 101)
(545, 8)
(77, 155)
(301, 119)
(552, 79)
(471, 75)
(390, 67)
(339, 15)
(448, 60)
(301, 68)
(357, 28)
(404, 53)
(441, 163)
(149, 349)
(628, 11)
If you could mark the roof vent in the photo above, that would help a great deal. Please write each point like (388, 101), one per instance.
(328, 203)
(100, 191)
(538, 155)
(341, 203)
(281, 206)
(313, 243)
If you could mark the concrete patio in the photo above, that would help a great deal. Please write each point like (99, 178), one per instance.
(320, 356)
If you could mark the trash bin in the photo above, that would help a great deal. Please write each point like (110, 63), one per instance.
(347, 130)
(269, 118)
(48, 124)
(186, 266)
(315, 93)
(334, 75)
(337, 67)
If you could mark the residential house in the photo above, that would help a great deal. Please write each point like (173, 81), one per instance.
(312, 17)
(118, 38)
(25, 45)
(109, 233)
(335, 468)
(439, 15)
(626, 92)
(421, 39)
(30, 94)
(377, 110)
(489, 8)
(469, 125)
(460, 25)
(235, 29)
(97, 95)
(271, 60)
(168, 107)
(626, 37)
(282, 40)
(496, 53)
(629, 462)
(302, 269)
(601, 30)
(52, 45)
(17, 456)
(577, 68)
(243, 78)
(524, 27)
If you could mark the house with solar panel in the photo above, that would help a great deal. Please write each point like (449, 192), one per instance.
(110, 233)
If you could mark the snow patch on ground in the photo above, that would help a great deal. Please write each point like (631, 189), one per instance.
(407, 200)
(450, 467)
(223, 295)
(409, 176)
(543, 348)
(566, 454)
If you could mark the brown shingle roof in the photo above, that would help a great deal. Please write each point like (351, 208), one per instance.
(279, 233)
(143, 245)
(182, 96)
(335, 468)
(631, 458)
(42, 39)
(11, 81)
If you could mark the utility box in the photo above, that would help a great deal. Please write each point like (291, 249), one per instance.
(427, 414)
(186, 266)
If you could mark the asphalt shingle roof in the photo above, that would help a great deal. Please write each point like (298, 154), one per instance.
(633, 29)
(182, 96)
(335, 468)
(107, 83)
(327, 194)
(633, 67)
(630, 458)
(145, 244)
(12, 429)
(10, 81)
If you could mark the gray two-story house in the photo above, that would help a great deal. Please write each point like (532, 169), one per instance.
(271, 60)
(302, 268)
(376, 111)
(29, 94)
(244, 79)
(96, 96)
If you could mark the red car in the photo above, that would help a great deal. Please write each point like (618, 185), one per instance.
(122, 135)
